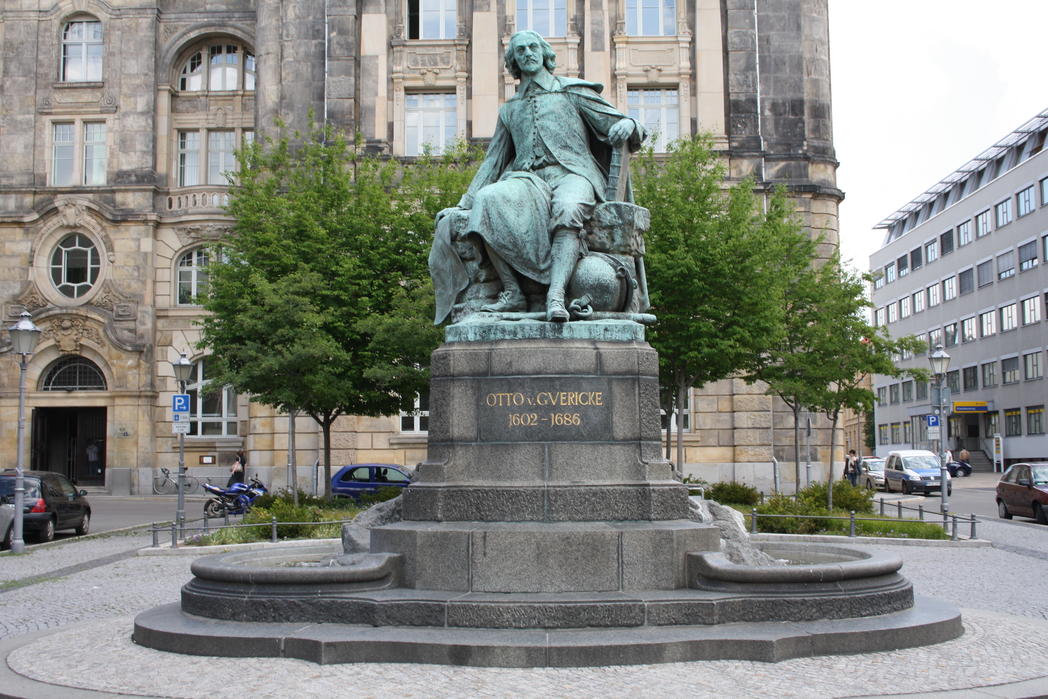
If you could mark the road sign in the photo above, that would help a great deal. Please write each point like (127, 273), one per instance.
(933, 420)
(933, 432)
(180, 428)
(970, 406)
(180, 403)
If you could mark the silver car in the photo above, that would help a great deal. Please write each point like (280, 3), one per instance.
(7, 525)
(871, 472)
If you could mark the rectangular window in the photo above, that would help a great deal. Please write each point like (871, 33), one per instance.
(1044, 191)
(992, 423)
(893, 312)
(1032, 367)
(923, 339)
(1003, 213)
(882, 434)
(953, 380)
(903, 265)
(968, 330)
(949, 332)
(983, 274)
(1010, 370)
(889, 272)
(964, 236)
(1013, 423)
(188, 158)
(429, 122)
(989, 374)
(1009, 317)
(651, 17)
(966, 281)
(1006, 265)
(547, 17)
(882, 316)
(882, 395)
(922, 390)
(934, 338)
(431, 19)
(94, 154)
(1035, 419)
(220, 160)
(904, 307)
(1031, 310)
(988, 323)
(931, 251)
(934, 295)
(1024, 200)
(919, 301)
(62, 161)
(907, 433)
(659, 112)
(916, 258)
(417, 419)
(893, 393)
(982, 224)
(896, 433)
(907, 391)
(1028, 256)
(949, 288)
(970, 378)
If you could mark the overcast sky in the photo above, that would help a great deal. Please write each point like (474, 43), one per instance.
(919, 88)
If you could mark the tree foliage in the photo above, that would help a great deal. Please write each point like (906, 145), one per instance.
(712, 259)
(319, 299)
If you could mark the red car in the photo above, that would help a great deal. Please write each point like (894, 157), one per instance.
(1023, 491)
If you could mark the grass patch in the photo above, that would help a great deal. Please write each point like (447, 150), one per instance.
(885, 527)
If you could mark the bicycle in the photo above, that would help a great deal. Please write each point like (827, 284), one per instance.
(165, 485)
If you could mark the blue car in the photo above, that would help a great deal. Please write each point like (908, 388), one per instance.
(914, 471)
(357, 480)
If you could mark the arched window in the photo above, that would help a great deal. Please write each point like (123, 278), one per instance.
(73, 373)
(212, 410)
(75, 264)
(192, 276)
(82, 51)
(218, 67)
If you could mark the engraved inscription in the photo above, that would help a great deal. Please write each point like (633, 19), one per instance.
(542, 409)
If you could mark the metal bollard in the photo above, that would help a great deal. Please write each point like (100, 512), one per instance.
(273, 526)
(225, 515)
(920, 512)
(882, 507)
(898, 509)
(174, 535)
(973, 526)
(156, 536)
(954, 536)
(207, 527)
(753, 520)
(851, 527)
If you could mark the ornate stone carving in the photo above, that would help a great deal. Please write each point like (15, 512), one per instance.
(203, 231)
(67, 332)
(31, 300)
(109, 299)
(71, 211)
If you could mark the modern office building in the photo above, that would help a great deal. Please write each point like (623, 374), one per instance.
(119, 118)
(963, 265)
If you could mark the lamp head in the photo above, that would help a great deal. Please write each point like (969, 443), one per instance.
(24, 334)
(183, 368)
(939, 360)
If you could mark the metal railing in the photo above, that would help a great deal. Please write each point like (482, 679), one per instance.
(950, 522)
(157, 528)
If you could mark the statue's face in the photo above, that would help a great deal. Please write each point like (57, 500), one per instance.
(527, 52)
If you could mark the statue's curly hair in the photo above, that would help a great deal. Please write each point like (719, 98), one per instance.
(549, 58)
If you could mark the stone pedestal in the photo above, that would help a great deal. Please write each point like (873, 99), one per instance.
(544, 471)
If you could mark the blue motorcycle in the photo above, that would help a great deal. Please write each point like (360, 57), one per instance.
(234, 500)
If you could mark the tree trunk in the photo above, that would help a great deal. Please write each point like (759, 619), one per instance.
(681, 388)
(292, 461)
(796, 408)
(328, 495)
(833, 466)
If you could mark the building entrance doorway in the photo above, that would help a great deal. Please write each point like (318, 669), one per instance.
(70, 441)
(968, 435)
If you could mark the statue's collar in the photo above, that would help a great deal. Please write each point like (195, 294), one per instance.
(546, 81)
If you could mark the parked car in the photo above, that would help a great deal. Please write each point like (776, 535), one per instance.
(7, 525)
(51, 502)
(913, 471)
(356, 480)
(1023, 490)
(958, 469)
(871, 472)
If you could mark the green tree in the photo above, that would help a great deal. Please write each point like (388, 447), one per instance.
(318, 297)
(712, 262)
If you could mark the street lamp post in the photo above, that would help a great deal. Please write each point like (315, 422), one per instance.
(940, 362)
(24, 336)
(183, 370)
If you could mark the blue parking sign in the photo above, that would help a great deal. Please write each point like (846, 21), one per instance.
(933, 420)
(180, 403)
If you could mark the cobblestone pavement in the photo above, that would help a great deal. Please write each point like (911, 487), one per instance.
(1003, 593)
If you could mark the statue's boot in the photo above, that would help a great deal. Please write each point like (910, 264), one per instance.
(565, 254)
(511, 299)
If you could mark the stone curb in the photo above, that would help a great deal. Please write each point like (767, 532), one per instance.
(870, 540)
(183, 550)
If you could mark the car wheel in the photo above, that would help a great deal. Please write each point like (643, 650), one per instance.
(85, 525)
(47, 532)
(1039, 514)
(1002, 510)
(905, 487)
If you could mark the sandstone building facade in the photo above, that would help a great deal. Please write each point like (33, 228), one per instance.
(118, 119)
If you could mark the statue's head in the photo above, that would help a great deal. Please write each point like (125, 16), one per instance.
(549, 58)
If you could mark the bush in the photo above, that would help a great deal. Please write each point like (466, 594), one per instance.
(733, 493)
(846, 497)
(784, 505)
(281, 506)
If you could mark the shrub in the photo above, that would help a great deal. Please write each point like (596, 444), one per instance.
(846, 497)
(783, 505)
(733, 493)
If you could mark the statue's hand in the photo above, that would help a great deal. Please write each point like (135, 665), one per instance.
(445, 212)
(622, 130)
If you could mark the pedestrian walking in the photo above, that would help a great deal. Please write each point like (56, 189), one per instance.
(851, 467)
